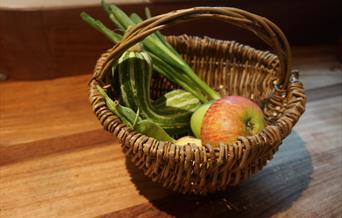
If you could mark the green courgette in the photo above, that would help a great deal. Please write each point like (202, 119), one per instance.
(135, 68)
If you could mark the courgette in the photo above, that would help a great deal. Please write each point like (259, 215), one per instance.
(135, 69)
(177, 99)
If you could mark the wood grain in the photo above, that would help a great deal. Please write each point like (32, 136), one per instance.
(28, 109)
(80, 183)
(57, 161)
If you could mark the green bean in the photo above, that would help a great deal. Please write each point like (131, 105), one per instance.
(98, 25)
(157, 35)
(128, 113)
(107, 9)
(148, 12)
(135, 18)
(132, 119)
(152, 129)
(153, 44)
(113, 107)
(136, 118)
(160, 66)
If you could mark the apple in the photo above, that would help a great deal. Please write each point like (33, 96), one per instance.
(224, 120)
(188, 139)
(197, 118)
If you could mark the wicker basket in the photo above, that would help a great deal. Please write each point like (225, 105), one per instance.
(230, 68)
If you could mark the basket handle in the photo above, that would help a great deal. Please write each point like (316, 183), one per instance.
(260, 26)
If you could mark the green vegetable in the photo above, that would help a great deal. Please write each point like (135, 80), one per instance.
(160, 66)
(127, 115)
(172, 74)
(177, 99)
(131, 78)
(158, 34)
(153, 44)
(148, 12)
(132, 119)
(98, 25)
(152, 129)
(159, 48)
(126, 84)
(136, 69)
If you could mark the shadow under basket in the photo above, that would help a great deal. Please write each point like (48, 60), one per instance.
(231, 69)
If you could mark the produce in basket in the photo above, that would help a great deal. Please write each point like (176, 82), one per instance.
(218, 120)
(167, 61)
(188, 140)
(134, 69)
(133, 120)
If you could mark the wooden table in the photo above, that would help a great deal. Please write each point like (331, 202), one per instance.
(57, 161)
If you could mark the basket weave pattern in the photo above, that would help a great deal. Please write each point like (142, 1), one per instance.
(232, 69)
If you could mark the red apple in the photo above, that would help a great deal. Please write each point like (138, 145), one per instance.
(228, 118)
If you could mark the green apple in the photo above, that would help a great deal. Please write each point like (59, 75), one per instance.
(197, 119)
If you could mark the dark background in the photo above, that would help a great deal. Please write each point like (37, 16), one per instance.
(49, 43)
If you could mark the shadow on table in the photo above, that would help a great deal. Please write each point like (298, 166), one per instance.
(271, 190)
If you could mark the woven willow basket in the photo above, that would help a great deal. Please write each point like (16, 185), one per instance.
(230, 68)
